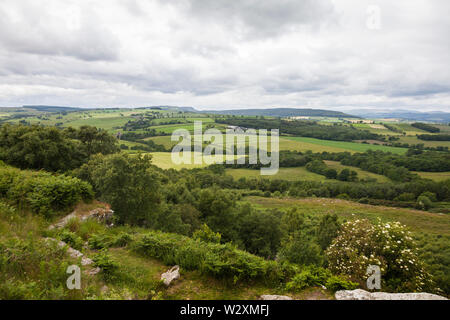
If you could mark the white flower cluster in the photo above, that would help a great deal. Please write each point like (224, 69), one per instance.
(388, 245)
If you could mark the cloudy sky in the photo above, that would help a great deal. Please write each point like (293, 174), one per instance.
(216, 54)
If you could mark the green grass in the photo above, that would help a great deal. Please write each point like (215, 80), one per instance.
(409, 129)
(301, 174)
(139, 275)
(163, 140)
(170, 128)
(107, 123)
(377, 128)
(164, 161)
(289, 174)
(435, 176)
(418, 221)
(444, 128)
(361, 173)
(414, 140)
(343, 146)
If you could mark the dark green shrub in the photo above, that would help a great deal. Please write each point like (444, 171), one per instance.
(99, 241)
(343, 196)
(218, 260)
(309, 277)
(42, 192)
(121, 240)
(72, 239)
(336, 283)
(406, 197)
(424, 203)
(207, 235)
(106, 264)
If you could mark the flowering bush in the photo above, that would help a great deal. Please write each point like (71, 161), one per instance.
(388, 245)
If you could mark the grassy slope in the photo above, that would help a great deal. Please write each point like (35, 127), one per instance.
(415, 140)
(144, 273)
(346, 146)
(419, 221)
(300, 173)
(361, 173)
(305, 144)
(436, 176)
(289, 174)
(135, 278)
(164, 161)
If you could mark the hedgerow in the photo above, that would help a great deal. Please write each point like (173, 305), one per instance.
(42, 192)
(218, 260)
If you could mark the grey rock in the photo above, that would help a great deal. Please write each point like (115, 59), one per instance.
(73, 253)
(171, 275)
(63, 221)
(359, 294)
(274, 297)
(100, 214)
(93, 271)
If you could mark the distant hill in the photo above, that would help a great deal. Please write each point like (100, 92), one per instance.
(284, 112)
(172, 108)
(52, 108)
(433, 116)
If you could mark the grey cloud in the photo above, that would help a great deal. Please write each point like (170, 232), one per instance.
(225, 53)
(35, 34)
(259, 18)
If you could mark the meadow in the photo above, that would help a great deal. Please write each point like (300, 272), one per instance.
(435, 176)
(154, 232)
(417, 221)
(325, 145)
(361, 173)
(289, 174)
(163, 160)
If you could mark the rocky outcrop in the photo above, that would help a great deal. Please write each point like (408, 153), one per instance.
(274, 297)
(63, 221)
(171, 275)
(73, 253)
(102, 215)
(93, 271)
(359, 294)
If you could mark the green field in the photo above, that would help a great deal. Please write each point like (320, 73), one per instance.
(301, 174)
(418, 221)
(164, 160)
(289, 174)
(107, 123)
(344, 146)
(436, 176)
(377, 128)
(414, 140)
(361, 173)
(408, 129)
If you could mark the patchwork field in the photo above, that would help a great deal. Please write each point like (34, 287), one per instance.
(342, 146)
(164, 160)
(419, 221)
(374, 128)
(361, 173)
(433, 144)
(436, 176)
(289, 174)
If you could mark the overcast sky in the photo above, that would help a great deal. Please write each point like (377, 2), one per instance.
(226, 54)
